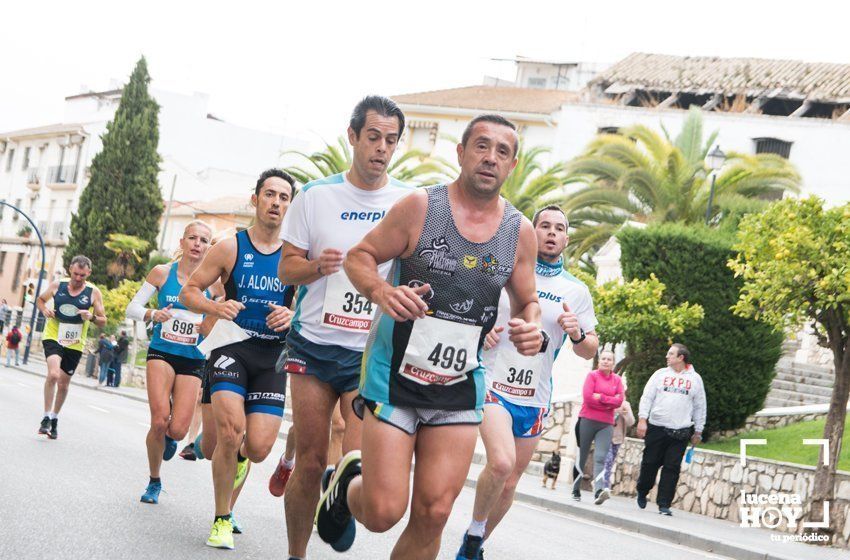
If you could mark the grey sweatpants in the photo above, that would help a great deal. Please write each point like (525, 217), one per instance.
(599, 434)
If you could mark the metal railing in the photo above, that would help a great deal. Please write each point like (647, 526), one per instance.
(32, 175)
(61, 174)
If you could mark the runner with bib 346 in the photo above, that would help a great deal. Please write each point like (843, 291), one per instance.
(520, 387)
(454, 248)
(65, 334)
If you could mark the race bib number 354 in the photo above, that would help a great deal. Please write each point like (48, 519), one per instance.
(345, 308)
(440, 352)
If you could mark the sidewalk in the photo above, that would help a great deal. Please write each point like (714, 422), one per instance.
(691, 530)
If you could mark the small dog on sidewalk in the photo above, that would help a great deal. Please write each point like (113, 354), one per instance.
(551, 469)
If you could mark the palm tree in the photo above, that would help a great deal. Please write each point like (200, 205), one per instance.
(645, 176)
(530, 186)
(413, 167)
(127, 249)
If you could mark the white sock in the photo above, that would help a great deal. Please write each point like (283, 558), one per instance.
(53, 416)
(287, 464)
(476, 528)
(47, 413)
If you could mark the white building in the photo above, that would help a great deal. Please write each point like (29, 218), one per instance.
(43, 171)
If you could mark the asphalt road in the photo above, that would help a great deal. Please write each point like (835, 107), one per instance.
(78, 497)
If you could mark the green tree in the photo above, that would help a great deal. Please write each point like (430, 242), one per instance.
(794, 260)
(123, 195)
(531, 185)
(646, 176)
(115, 302)
(128, 250)
(412, 167)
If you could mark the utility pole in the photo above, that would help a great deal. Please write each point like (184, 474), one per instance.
(167, 214)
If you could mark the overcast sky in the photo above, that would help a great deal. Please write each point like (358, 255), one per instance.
(300, 66)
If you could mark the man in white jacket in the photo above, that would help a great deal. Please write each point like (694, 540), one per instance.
(672, 411)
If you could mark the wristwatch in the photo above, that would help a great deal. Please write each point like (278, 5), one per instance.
(545, 345)
(580, 339)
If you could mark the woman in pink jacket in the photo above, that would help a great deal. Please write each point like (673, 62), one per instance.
(602, 396)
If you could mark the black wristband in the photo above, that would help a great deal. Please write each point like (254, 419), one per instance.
(581, 338)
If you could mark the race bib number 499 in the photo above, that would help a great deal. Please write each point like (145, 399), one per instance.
(345, 308)
(440, 352)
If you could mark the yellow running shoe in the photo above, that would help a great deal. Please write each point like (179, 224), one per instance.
(221, 534)
(241, 472)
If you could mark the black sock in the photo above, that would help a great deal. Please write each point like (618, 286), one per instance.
(155, 479)
(225, 517)
(239, 457)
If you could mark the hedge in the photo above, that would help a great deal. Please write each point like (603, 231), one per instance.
(736, 357)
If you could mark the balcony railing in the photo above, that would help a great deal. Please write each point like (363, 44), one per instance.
(61, 174)
(32, 176)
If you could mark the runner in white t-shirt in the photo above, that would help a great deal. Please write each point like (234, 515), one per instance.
(332, 320)
(519, 388)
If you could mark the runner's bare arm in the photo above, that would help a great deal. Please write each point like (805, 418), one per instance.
(216, 265)
(395, 236)
(44, 297)
(99, 318)
(296, 269)
(524, 327)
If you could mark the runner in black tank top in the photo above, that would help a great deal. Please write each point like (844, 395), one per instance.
(422, 381)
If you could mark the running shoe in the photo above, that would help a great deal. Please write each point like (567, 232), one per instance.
(347, 538)
(665, 511)
(199, 451)
(188, 452)
(601, 496)
(277, 483)
(45, 426)
(641, 500)
(151, 495)
(241, 472)
(470, 548)
(577, 495)
(170, 448)
(237, 527)
(326, 477)
(332, 514)
(54, 431)
(221, 534)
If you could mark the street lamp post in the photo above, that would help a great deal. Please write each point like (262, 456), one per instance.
(40, 276)
(715, 161)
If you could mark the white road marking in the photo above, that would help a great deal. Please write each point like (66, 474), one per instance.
(24, 385)
(98, 408)
(704, 553)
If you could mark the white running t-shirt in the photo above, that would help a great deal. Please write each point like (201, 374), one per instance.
(331, 213)
(527, 380)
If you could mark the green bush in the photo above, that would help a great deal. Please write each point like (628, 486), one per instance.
(736, 357)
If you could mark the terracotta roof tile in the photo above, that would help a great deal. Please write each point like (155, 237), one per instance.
(490, 98)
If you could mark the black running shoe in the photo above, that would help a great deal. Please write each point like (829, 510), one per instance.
(45, 426)
(470, 548)
(332, 514)
(188, 452)
(54, 432)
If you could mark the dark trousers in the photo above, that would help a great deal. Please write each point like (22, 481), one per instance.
(664, 452)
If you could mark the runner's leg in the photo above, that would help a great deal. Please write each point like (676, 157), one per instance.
(62, 386)
(525, 448)
(496, 432)
(379, 499)
(229, 412)
(54, 375)
(160, 383)
(184, 396)
(261, 433)
(312, 405)
(338, 432)
(443, 456)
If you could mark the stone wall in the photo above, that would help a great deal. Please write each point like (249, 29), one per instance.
(559, 429)
(713, 484)
(761, 421)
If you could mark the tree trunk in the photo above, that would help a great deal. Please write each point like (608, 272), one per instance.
(824, 483)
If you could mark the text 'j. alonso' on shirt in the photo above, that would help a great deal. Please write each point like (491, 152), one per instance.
(331, 213)
(527, 380)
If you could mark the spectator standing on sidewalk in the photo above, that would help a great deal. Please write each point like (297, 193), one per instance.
(106, 352)
(4, 312)
(672, 412)
(13, 339)
(121, 352)
(602, 395)
(624, 419)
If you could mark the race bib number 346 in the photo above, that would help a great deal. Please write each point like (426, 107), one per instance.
(440, 352)
(345, 308)
(516, 375)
